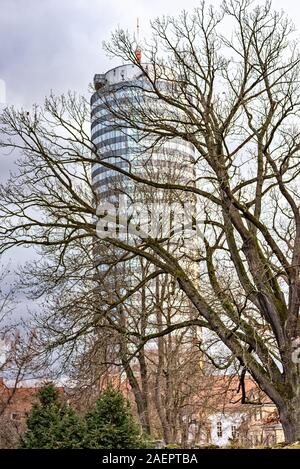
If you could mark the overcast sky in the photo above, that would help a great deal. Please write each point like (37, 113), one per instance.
(57, 44)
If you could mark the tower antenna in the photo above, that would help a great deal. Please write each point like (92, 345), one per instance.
(138, 31)
(138, 51)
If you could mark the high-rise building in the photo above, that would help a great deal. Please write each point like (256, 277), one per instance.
(122, 146)
(118, 91)
(158, 303)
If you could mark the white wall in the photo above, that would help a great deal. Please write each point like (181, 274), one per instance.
(228, 419)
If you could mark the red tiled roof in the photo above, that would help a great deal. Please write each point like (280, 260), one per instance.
(19, 398)
(224, 392)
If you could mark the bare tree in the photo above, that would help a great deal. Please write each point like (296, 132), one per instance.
(15, 361)
(236, 99)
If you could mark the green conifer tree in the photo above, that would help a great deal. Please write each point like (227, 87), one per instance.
(51, 423)
(110, 423)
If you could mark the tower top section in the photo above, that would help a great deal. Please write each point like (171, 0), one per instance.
(116, 75)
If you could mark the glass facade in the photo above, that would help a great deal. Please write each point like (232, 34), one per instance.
(123, 147)
(119, 145)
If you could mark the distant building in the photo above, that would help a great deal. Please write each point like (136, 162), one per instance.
(220, 418)
(261, 425)
(225, 420)
(15, 403)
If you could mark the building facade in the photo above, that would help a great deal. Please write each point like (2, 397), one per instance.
(16, 401)
(157, 212)
(116, 91)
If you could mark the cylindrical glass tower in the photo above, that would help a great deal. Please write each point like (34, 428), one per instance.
(168, 161)
(171, 161)
(124, 89)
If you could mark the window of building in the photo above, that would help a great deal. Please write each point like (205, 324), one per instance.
(259, 439)
(271, 440)
(258, 414)
(234, 432)
(219, 429)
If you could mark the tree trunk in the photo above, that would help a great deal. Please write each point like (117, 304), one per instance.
(289, 407)
(159, 378)
(144, 391)
(289, 415)
(140, 403)
(143, 365)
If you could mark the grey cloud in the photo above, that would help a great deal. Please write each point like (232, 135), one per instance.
(53, 44)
